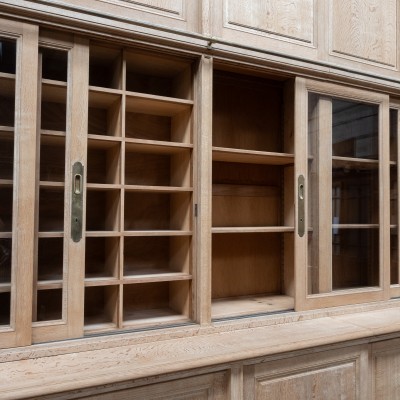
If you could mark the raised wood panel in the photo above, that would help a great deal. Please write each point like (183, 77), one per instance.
(327, 375)
(202, 387)
(365, 30)
(177, 14)
(386, 369)
(281, 18)
(172, 8)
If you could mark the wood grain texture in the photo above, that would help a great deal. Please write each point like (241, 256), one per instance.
(287, 18)
(365, 30)
(324, 375)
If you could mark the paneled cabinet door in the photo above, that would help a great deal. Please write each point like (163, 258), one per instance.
(202, 387)
(18, 73)
(342, 176)
(385, 369)
(327, 375)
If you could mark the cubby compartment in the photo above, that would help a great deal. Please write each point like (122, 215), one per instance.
(103, 210)
(7, 101)
(251, 273)
(101, 307)
(54, 107)
(52, 158)
(246, 194)
(50, 259)
(5, 309)
(5, 260)
(158, 74)
(51, 210)
(8, 56)
(49, 305)
(157, 211)
(156, 303)
(149, 256)
(6, 155)
(248, 112)
(104, 113)
(101, 257)
(103, 162)
(6, 201)
(152, 168)
(54, 64)
(105, 67)
(168, 128)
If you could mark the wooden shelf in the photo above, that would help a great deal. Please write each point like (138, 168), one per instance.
(6, 130)
(7, 84)
(156, 275)
(251, 156)
(50, 284)
(102, 98)
(5, 235)
(250, 305)
(6, 182)
(253, 229)
(155, 317)
(5, 287)
(102, 141)
(350, 162)
(95, 326)
(103, 186)
(102, 233)
(155, 189)
(54, 91)
(156, 147)
(156, 105)
(49, 184)
(101, 281)
(158, 233)
(55, 234)
(355, 226)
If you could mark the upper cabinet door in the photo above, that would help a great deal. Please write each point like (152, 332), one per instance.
(343, 195)
(18, 72)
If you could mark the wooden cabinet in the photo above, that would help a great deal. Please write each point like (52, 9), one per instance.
(205, 192)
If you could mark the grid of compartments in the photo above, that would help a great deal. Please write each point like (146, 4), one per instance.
(138, 267)
(7, 140)
(252, 196)
(48, 273)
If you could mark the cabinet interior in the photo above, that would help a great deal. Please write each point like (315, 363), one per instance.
(252, 195)
(139, 190)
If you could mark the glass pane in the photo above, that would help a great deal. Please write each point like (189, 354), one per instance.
(355, 258)
(355, 194)
(354, 129)
(7, 140)
(394, 251)
(343, 195)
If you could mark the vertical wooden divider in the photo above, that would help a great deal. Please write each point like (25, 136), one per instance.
(24, 189)
(77, 123)
(203, 100)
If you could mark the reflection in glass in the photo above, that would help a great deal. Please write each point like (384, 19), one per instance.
(355, 194)
(394, 257)
(354, 129)
(355, 258)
